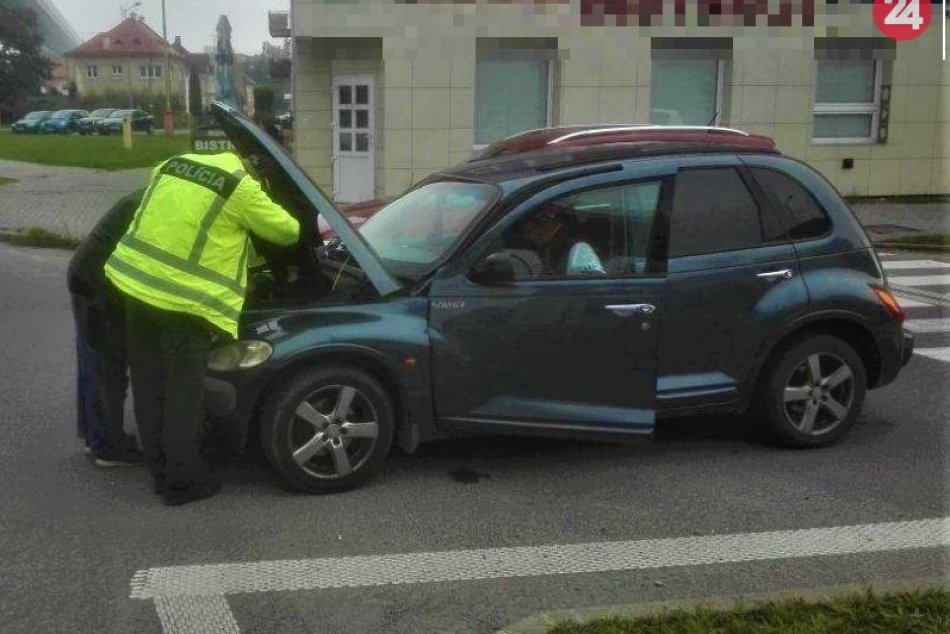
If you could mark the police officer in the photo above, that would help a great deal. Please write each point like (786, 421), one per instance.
(102, 372)
(183, 266)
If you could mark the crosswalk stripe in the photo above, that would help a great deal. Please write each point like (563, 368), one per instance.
(941, 324)
(940, 354)
(911, 303)
(920, 280)
(893, 265)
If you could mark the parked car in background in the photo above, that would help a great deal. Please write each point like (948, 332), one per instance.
(141, 122)
(583, 283)
(63, 122)
(284, 121)
(30, 122)
(90, 124)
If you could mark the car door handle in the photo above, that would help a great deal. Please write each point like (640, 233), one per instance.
(782, 274)
(626, 310)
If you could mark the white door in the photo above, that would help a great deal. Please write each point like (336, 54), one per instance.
(354, 149)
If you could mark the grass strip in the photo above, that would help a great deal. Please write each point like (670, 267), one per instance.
(924, 611)
(927, 239)
(919, 199)
(39, 237)
(99, 152)
(6, 181)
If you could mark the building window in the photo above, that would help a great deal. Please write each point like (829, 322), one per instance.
(847, 100)
(150, 72)
(116, 70)
(512, 93)
(685, 91)
(92, 72)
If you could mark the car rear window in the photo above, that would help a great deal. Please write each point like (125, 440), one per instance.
(713, 211)
(804, 215)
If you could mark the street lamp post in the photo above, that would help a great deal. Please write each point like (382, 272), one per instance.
(169, 123)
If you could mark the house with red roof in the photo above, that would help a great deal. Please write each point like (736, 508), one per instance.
(128, 59)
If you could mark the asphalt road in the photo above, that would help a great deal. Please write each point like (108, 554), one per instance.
(72, 536)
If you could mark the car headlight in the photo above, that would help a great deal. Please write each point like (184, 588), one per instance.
(239, 355)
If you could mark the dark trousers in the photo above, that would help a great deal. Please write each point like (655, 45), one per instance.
(102, 380)
(167, 355)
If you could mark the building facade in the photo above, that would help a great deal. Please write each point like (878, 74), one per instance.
(128, 59)
(58, 34)
(388, 91)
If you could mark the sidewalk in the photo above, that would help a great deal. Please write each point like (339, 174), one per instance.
(65, 200)
(69, 200)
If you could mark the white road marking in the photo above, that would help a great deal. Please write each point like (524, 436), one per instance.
(919, 280)
(911, 303)
(940, 354)
(893, 265)
(196, 613)
(191, 600)
(941, 324)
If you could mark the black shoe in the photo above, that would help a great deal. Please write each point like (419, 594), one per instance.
(123, 454)
(202, 489)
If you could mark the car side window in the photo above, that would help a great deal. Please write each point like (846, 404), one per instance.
(604, 232)
(713, 211)
(805, 216)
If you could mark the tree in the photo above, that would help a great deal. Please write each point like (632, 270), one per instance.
(194, 93)
(263, 99)
(23, 66)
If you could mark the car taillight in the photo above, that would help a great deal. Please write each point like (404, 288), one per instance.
(890, 303)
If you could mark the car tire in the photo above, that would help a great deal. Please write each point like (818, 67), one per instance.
(300, 420)
(802, 411)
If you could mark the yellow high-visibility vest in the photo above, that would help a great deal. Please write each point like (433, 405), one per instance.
(186, 249)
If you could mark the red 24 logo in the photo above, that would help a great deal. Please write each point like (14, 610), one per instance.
(902, 19)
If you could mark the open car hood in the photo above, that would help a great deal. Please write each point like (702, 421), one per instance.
(249, 140)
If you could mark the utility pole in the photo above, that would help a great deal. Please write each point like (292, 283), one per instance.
(169, 122)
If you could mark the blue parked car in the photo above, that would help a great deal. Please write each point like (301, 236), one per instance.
(63, 122)
(30, 122)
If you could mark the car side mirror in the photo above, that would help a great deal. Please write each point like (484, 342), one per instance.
(497, 268)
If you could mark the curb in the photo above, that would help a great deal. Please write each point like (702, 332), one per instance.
(542, 622)
(904, 246)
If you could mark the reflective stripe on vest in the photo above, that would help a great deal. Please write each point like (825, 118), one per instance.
(167, 286)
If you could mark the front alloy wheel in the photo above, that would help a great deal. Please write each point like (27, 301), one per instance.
(819, 394)
(813, 391)
(329, 429)
(333, 431)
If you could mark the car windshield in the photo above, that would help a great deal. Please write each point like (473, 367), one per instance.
(62, 114)
(35, 115)
(122, 114)
(414, 231)
(102, 112)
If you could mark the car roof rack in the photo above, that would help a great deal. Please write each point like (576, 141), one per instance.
(607, 134)
(643, 127)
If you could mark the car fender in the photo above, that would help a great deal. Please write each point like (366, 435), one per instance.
(792, 326)
(411, 394)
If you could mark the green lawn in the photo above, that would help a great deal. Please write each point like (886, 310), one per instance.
(102, 152)
(920, 612)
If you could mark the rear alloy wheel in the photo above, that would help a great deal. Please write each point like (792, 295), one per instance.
(328, 430)
(814, 392)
